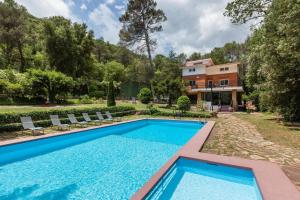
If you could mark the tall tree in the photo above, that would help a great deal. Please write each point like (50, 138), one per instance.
(113, 76)
(242, 11)
(69, 46)
(282, 58)
(195, 56)
(140, 21)
(12, 31)
(167, 79)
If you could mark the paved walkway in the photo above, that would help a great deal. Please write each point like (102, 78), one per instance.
(233, 136)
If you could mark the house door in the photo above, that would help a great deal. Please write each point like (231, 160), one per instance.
(225, 98)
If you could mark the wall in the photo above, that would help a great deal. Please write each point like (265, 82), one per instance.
(198, 70)
(201, 80)
(233, 68)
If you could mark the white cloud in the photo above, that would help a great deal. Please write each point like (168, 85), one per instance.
(47, 8)
(110, 2)
(120, 7)
(83, 7)
(105, 22)
(70, 3)
(195, 25)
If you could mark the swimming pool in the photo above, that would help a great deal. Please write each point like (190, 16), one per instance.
(105, 163)
(191, 179)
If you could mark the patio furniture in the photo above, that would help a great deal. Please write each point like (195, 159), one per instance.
(88, 119)
(109, 117)
(56, 122)
(101, 118)
(28, 125)
(73, 120)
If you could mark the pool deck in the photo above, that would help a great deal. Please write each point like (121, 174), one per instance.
(272, 182)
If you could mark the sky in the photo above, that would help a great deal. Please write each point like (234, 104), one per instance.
(192, 25)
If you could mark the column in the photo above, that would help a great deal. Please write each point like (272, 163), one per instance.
(199, 100)
(234, 100)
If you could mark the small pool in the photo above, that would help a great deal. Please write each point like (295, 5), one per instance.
(105, 163)
(190, 179)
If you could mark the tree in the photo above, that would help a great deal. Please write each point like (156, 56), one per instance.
(114, 74)
(49, 82)
(281, 59)
(140, 20)
(69, 46)
(184, 103)
(145, 95)
(167, 79)
(12, 31)
(195, 56)
(242, 11)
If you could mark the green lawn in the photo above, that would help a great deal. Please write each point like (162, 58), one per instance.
(273, 129)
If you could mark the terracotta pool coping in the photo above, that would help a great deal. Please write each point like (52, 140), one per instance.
(273, 183)
(271, 180)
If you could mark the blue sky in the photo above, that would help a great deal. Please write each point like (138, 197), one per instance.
(193, 25)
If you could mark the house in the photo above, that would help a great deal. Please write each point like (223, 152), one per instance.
(213, 86)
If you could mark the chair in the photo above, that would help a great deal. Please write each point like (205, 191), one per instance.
(28, 125)
(101, 118)
(88, 119)
(109, 117)
(73, 120)
(56, 122)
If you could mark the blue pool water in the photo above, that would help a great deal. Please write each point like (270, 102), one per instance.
(106, 163)
(189, 180)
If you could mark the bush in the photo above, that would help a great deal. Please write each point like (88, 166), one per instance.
(145, 95)
(11, 121)
(174, 114)
(184, 103)
(152, 109)
(85, 99)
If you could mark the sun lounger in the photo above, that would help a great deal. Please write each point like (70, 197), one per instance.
(88, 119)
(73, 120)
(101, 118)
(56, 122)
(28, 125)
(109, 117)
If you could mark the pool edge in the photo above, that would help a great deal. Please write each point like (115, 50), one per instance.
(271, 180)
(57, 134)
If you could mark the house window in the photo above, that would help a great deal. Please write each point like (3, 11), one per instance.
(221, 69)
(226, 68)
(210, 84)
(224, 82)
(192, 70)
(192, 83)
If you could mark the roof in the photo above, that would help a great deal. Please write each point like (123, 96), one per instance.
(207, 62)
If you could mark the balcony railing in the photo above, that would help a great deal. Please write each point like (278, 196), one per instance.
(198, 86)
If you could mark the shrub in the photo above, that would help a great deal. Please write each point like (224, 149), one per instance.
(145, 95)
(85, 99)
(184, 103)
(174, 114)
(152, 109)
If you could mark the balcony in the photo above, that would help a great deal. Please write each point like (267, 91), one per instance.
(215, 87)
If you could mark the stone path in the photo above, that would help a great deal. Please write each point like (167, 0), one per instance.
(233, 136)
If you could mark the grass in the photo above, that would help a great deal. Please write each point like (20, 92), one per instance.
(272, 129)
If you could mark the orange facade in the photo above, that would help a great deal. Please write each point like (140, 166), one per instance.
(202, 81)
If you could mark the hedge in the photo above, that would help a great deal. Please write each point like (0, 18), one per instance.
(177, 113)
(11, 121)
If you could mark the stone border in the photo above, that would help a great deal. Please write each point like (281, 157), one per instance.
(271, 180)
